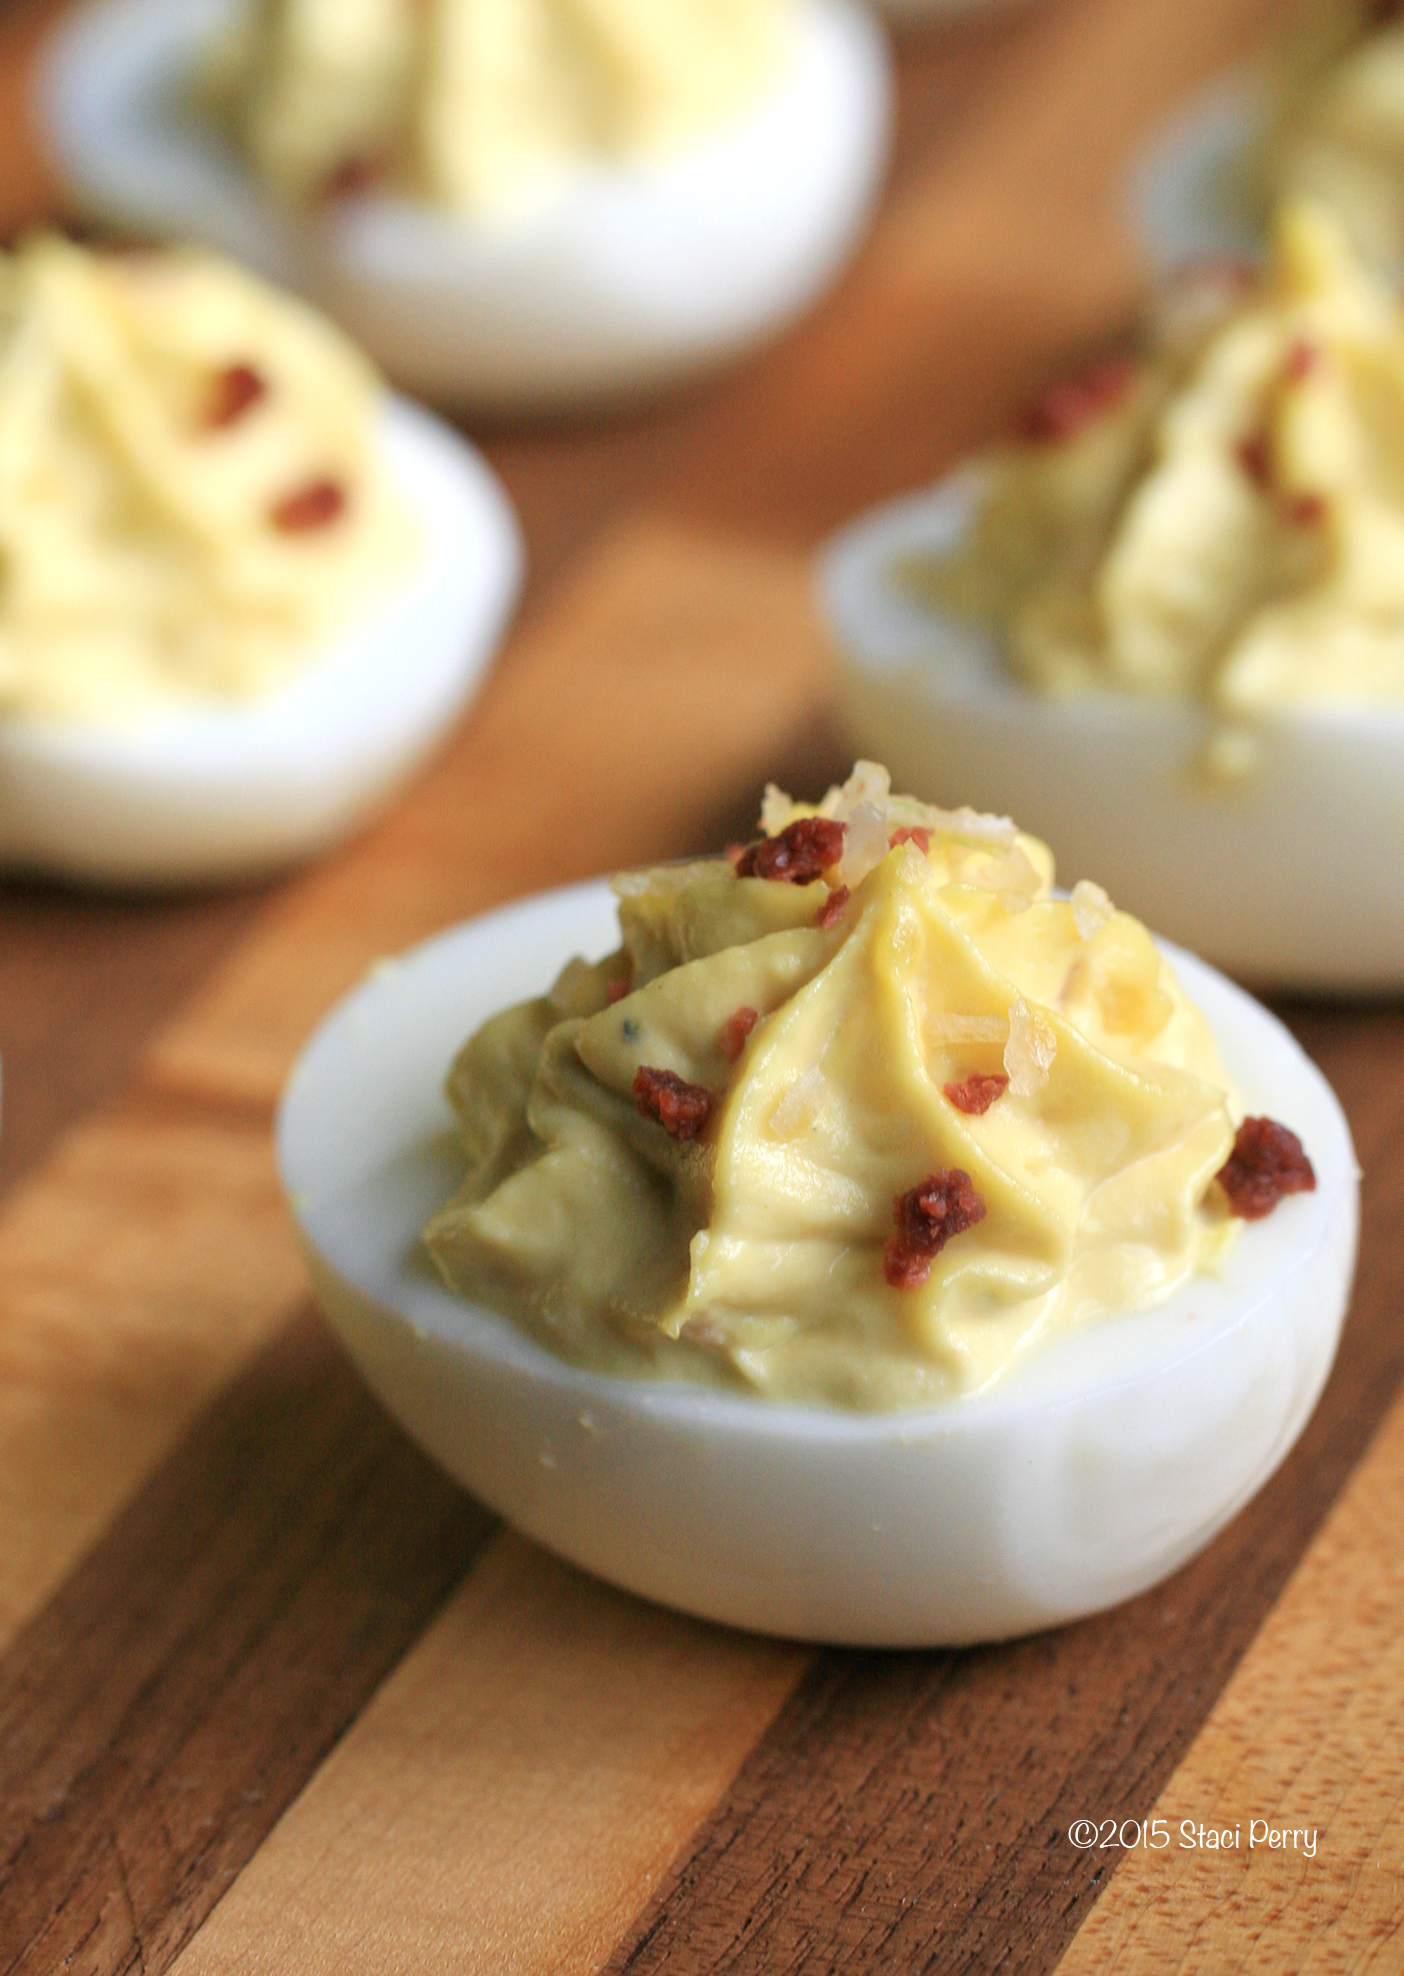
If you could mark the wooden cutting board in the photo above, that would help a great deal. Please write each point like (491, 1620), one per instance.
(274, 1695)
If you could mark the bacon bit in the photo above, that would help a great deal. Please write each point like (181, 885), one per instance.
(1065, 408)
(235, 390)
(682, 1109)
(353, 175)
(313, 506)
(943, 1205)
(1302, 360)
(735, 1030)
(1253, 457)
(1306, 510)
(911, 833)
(617, 989)
(801, 853)
(1266, 1163)
(976, 1094)
(831, 912)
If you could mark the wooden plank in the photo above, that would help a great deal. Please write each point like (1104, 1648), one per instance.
(83, 986)
(1306, 1741)
(164, 1709)
(518, 1784)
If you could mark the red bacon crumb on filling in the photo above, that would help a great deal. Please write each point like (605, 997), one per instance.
(1065, 408)
(1301, 360)
(830, 913)
(1267, 1162)
(1253, 458)
(911, 833)
(619, 988)
(353, 175)
(1306, 510)
(943, 1205)
(682, 1109)
(802, 852)
(735, 1030)
(234, 391)
(976, 1094)
(313, 506)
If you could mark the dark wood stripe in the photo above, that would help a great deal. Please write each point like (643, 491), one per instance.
(85, 982)
(909, 1812)
(160, 1714)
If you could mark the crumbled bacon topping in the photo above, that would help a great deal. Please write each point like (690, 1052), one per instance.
(912, 833)
(802, 852)
(1267, 1162)
(831, 912)
(312, 506)
(355, 174)
(1254, 459)
(234, 390)
(943, 1205)
(1065, 408)
(682, 1109)
(735, 1030)
(1301, 361)
(976, 1094)
(621, 985)
(1306, 510)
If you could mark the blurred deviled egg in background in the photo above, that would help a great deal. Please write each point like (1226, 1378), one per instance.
(508, 202)
(244, 588)
(1166, 622)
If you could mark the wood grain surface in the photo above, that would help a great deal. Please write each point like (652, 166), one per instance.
(274, 1695)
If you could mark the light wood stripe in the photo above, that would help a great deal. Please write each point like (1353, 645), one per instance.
(1308, 1736)
(519, 1784)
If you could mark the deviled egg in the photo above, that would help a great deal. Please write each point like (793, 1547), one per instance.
(1168, 621)
(244, 591)
(517, 205)
(872, 1247)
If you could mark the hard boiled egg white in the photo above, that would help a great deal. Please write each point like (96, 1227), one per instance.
(628, 277)
(1290, 876)
(1095, 1468)
(225, 790)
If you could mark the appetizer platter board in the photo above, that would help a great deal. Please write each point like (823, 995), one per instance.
(274, 1694)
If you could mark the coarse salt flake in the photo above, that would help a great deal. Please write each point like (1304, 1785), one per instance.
(1091, 907)
(799, 1106)
(1029, 1053)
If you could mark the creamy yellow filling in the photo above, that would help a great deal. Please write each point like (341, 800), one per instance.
(758, 1252)
(479, 104)
(1229, 527)
(192, 493)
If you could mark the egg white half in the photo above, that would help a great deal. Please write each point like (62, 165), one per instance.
(626, 278)
(220, 791)
(1291, 877)
(1094, 1469)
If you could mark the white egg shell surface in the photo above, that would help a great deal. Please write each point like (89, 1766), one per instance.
(626, 278)
(1289, 877)
(1099, 1465)
(1187, 195)
(222, 791)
